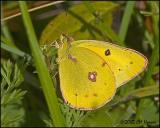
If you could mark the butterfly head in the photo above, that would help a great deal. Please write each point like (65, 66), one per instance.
(64, 38)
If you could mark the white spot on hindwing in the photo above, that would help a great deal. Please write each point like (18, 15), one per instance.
(92, 76)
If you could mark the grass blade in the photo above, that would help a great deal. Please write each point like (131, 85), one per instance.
(155, 54)
(12, 50)
(135, 94)
(126, 20)
(43, 73)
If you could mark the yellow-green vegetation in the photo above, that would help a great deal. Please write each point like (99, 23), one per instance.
(30, 83)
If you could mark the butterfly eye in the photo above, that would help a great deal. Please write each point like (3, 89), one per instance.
(107, 52)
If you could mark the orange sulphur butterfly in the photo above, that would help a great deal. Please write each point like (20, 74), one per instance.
(90, 71)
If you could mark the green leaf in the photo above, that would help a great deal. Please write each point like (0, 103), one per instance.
(143, 92)
(148, 112)
(102, 24)
(135, 94)
(89, 33)
(73, 20)
(107, 118)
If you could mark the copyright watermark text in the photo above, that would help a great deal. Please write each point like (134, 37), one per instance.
(136, 122)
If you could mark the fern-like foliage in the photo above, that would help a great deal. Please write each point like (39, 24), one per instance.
(12, 112)
(73, 117)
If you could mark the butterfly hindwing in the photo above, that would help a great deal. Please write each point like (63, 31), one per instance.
(86, 81)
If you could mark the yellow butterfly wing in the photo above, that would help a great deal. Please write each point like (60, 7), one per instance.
(86, 82)
(124, 62)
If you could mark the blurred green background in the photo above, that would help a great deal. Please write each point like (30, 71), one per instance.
(133, 24)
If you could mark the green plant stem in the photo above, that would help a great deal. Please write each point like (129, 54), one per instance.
(152, 62)
(136, 94)
(10, 47)
(7, 34)
(8, 42)
(12, 50)
(155, 54)
(126, 20)
(43, 73)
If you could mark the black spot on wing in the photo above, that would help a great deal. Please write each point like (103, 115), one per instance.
(107, 52)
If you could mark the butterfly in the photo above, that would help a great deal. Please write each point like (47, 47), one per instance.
(90, 71)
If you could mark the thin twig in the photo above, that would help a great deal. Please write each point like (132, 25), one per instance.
(31, 10)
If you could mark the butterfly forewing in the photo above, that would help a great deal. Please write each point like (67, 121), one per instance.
(125, 63)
